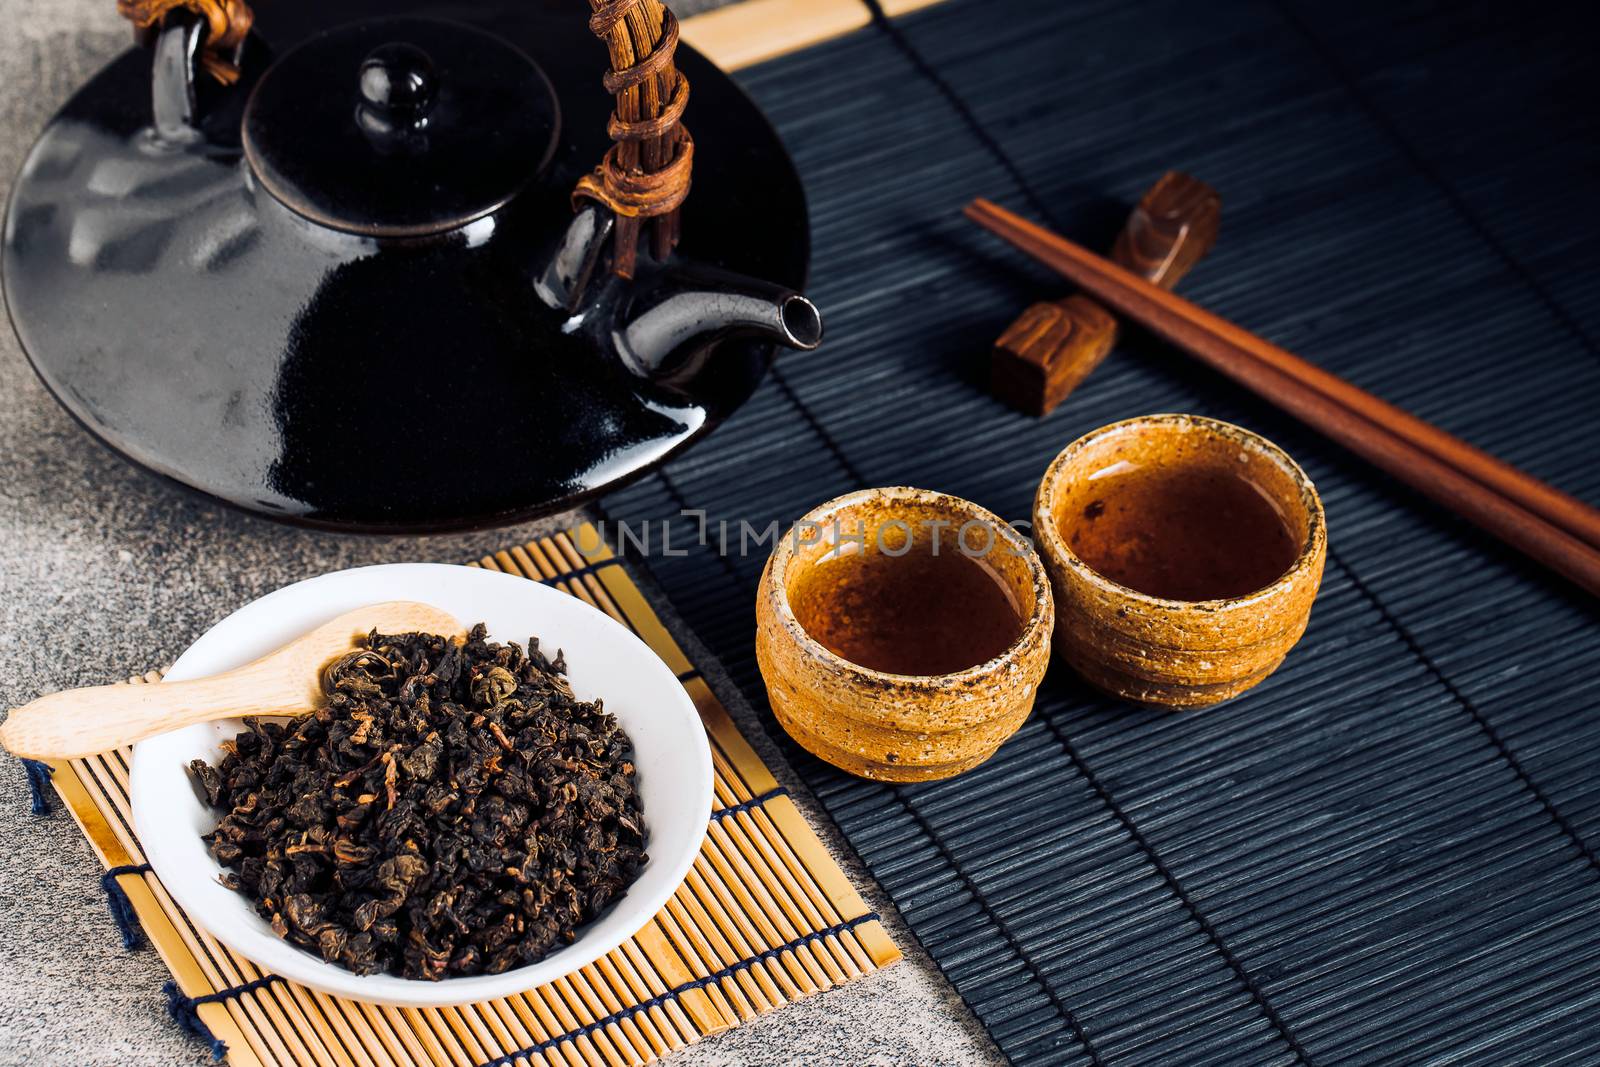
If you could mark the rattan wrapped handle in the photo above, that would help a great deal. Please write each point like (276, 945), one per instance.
(644, 177)
(227, 25)
(646, 173)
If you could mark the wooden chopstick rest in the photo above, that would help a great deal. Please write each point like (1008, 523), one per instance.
(1054, 345)
(1174, 225)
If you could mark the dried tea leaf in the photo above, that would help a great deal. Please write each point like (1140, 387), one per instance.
(452, 810)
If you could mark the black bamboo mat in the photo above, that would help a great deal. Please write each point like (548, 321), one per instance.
(1386, 853)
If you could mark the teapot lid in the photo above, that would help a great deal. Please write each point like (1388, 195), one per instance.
(400, 127)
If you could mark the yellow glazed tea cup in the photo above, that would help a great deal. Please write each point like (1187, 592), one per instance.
(1172, 652)
(900, 727)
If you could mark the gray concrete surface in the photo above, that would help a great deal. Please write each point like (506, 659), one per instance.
(105, 573)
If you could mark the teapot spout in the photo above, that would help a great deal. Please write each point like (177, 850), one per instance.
(774, 312)
(664, 321)
(675, 316)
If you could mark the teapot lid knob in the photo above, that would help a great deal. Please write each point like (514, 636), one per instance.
(399, 83)
(449, 123)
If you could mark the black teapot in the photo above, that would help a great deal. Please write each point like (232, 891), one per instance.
(354, 265)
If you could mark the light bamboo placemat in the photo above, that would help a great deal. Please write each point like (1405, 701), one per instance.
(765, 917)
(753, 31)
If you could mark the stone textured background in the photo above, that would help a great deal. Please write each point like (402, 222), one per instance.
(104, 572)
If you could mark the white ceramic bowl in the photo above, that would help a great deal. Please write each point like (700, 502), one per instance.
(604, 660)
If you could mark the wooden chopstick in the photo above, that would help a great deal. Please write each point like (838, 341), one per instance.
(1558, 530)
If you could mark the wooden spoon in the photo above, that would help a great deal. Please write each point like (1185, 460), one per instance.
(82, 722)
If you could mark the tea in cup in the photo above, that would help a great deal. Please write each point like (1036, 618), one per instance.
(902, 634)
(1185, 555)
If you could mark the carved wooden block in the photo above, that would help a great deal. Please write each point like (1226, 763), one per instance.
(1048, 350)
(1052, 347)
(1175, 224)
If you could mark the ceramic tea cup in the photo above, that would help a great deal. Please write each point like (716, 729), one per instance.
(874, 722)
(1168, 650)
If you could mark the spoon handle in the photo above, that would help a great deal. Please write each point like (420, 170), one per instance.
(81, 722)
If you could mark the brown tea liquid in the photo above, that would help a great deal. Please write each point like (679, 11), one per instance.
(1184, 532)
(919, 613)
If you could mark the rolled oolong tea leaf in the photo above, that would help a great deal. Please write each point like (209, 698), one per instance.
(452, 809)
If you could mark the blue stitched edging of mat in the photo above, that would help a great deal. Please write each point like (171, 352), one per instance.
(38, 785)
(121, 907)
(182, 1008)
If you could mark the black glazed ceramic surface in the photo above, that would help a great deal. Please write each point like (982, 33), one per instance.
(400, 127)
(218, 336)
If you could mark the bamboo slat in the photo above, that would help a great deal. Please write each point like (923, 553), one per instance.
(765, 917)
(750, 32)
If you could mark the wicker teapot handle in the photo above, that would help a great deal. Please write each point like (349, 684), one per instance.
(646, 173)
(227, 24)
(644, 177)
